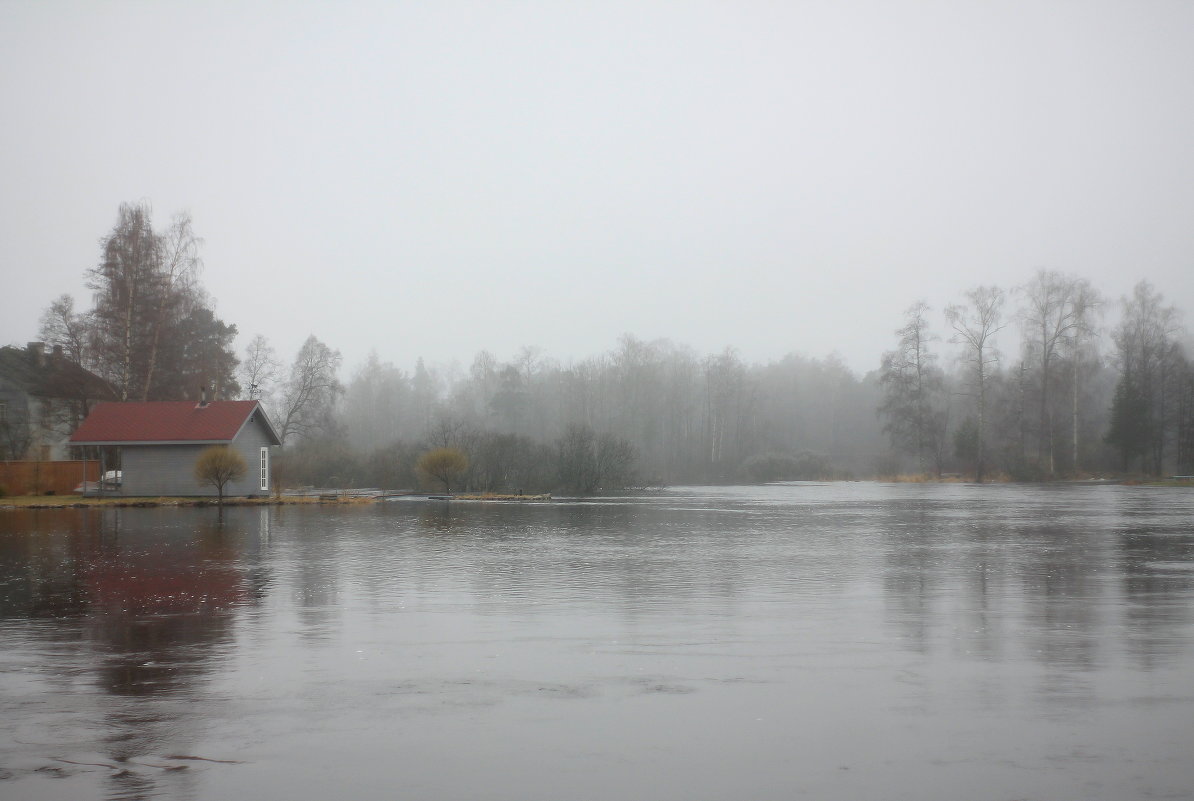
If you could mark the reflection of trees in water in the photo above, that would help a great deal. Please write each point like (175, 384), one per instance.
(1062, 585)
(565, 556)
(946, 572)
(1157, 580)
(438, 516)
(639, 560)
(1065, 580)
(315, 588)
(911, 579)
(988, 583)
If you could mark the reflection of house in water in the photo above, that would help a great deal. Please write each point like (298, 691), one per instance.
(39, 577)
(162, 609)
(140, 610)
(160, 604)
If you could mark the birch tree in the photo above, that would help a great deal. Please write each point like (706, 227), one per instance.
(1056, 307)
(974, 327)
(122, 283)
(148, 310)
(259, 370)
(1085, 302)
(174, 294)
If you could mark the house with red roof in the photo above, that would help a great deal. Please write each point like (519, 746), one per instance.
(160, 441)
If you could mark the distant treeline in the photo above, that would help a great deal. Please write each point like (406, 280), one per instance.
(1037, 386)
(1066, 396)
(649, 413)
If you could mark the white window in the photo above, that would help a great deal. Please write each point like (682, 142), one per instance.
(265, 469)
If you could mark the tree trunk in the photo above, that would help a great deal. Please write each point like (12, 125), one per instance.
(153, 353)
(127, 356)
(982, 408)
(1074, 416)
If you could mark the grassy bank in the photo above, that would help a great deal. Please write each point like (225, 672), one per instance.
(81, 502)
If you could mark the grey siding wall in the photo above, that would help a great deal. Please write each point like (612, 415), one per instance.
(160, 470)
(153, 470)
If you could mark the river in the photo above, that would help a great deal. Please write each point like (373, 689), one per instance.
(821, 641)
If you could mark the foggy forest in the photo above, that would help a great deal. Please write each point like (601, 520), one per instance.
(1044, 381)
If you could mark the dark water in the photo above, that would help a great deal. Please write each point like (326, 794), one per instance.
(849, 641)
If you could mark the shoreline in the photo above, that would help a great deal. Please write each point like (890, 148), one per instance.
(81, 502)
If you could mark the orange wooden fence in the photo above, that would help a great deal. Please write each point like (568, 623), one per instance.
(46, 478)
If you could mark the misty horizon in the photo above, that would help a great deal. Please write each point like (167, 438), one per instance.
(430, 181)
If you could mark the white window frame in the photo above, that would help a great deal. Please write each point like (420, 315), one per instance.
(264, 463)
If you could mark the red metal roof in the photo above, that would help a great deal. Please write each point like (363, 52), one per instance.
(166, 421)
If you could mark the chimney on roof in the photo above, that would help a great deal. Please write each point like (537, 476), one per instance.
(202, 397)
(38, 351)
(57, 353)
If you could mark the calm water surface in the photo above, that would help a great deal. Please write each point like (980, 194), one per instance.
(844, 641)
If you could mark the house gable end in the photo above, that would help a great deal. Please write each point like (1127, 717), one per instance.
(258, 417)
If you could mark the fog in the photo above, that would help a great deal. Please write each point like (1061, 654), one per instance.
(428, 180)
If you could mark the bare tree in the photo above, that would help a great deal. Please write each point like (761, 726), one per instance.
(1151, 362)
(123, 297)
(259, 370)
(63, 327)
(311, 390)
(1085, 303)
(374, 403)
(614, 459)
(726, 400)
(1051, 314)
(1185, 417)
(450, 431)
(150, 312)
(912, 384)
(974, 326)
(576, 459)
(72, 389)
(177, 268)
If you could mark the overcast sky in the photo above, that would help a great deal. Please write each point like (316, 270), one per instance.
(434, 178)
